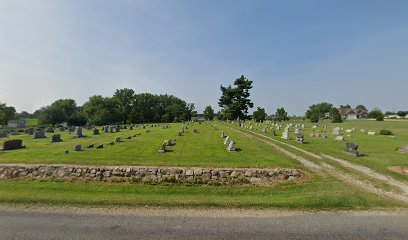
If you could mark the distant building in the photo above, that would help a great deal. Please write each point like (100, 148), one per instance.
(352, 114)
(16, 124)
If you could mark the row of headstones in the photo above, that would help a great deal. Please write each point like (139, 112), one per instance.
(227, 142)
(78, 147)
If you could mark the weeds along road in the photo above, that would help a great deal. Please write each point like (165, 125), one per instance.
(366, 176)
(203, 224)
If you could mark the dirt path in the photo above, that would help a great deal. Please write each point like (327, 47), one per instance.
(336, 172)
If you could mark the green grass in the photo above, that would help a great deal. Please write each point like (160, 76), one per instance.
(379, 150)
(204, 148)
(32, 122)
(316, 193)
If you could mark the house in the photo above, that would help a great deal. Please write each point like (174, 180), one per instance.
(352, 114)
(16, 124)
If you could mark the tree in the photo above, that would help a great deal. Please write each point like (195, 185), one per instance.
(361, 107)
(58, 112)
(124, 99)
(209, 113)
(377, 114)
(259, 114)
(335, 116)
(281, 115)
(401, 113)
(6, 113)
(345, 106)
(99, 110)
(314, 117)
(318, 110)
(235, 101)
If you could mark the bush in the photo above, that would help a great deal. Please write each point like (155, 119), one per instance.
(380, 118)
(385, 132)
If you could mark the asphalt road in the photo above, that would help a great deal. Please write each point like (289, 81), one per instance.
(48, 225)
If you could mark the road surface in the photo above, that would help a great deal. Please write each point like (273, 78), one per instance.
(27, 224)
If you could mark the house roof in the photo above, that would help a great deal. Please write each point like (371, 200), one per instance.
(346, 111)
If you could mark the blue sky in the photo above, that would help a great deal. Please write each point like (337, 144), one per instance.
(296, 52)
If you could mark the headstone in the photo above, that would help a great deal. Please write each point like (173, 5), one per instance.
(273, 132)
(300, 138)
(231, 147)
(117, 129)
(61, 129)
(111, 143)
(339, 138)
(49, 130)
(227, 141)
(78, 148)
(362, 130)
(111, 129)
(351, 149)
(55, 138)
(38, 134)
(336, 131)
(13, 144)
(285, 135)
(163, 148)
(264, 130)
(71, 129)
(182, 129)
(95, 131)
(99, 146)
(179, 134)
(118, 139)
(297, 131)
(78, 132)
(222, 134)
(66, 152)
(91, 146)
(349, 130)
(130, 137)
(371, 133)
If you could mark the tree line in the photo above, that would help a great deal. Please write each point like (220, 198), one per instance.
(124, 107)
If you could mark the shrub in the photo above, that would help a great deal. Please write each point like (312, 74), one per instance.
(385, 132)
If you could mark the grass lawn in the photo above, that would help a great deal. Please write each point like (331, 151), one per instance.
(379, 151)
(316, 193)
(204, 148)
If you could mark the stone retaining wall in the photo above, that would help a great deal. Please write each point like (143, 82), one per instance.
(219, 176)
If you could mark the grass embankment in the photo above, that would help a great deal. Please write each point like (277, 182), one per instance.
(314, 194)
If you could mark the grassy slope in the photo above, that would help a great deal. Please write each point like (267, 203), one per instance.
(204, 148)
(379, 150)
(314, 194)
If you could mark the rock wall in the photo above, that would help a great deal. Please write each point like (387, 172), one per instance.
(152, 175)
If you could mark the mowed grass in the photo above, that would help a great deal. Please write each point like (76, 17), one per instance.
(204, 148)
(315, 194)
(379, 151)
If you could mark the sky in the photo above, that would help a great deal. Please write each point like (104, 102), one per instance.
(297, 52)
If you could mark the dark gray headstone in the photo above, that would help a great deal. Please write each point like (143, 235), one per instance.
(13, 144)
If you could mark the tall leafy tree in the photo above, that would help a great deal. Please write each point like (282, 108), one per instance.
(281, 114)
(124, 99)
(209, 113)
(235, 101)
(377, 114)
(59, 111)
(335, 116)
(319, 110)
(99, 110)
(361, 107)
(259, 114)
(6, 113)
